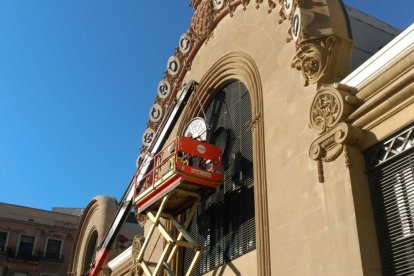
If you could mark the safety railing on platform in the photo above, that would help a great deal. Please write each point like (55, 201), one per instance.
(193, 160)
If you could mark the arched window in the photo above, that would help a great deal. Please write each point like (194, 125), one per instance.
(224, 223)
(90, 251)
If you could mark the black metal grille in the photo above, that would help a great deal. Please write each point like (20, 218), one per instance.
(224, 223)
(391, 175)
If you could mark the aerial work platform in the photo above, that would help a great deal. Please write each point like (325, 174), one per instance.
(182, 174)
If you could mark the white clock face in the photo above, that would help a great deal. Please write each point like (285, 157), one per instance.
(197, 129)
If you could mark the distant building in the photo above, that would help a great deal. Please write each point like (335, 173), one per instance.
(35, 242)
(69, 211)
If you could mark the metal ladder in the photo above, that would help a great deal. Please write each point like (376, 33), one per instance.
(171, 245)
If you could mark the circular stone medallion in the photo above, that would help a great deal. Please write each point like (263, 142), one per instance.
(155, 113)
(184, 44)
(148, 137)
(164, 89)
(218, 4)
(296, 25)
(287, 7)
(173, 65)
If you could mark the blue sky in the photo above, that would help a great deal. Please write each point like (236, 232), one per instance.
(77, 79)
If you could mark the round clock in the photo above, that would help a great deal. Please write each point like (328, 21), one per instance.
(196, 128)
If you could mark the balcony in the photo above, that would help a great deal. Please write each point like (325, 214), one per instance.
(49, 257)
(39, 256)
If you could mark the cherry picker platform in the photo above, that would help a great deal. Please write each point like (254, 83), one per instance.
(180, 175)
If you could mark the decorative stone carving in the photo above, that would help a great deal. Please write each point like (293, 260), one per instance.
(141, 218)
(325, 111)
(329, 147)
(173, 65)
(164, 89)
(312, 58)
(202, 21)
(155, 113)
(288, 6)
(285, 10)
(218, 4)
(323, 47)
(184, 43)
(258, 2)
(148, 136)
(331, 105)
(136, 248)
(245, 3)
(272, 4)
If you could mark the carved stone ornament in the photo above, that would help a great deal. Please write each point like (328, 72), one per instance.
(148, 136)
(272, 4)
(323, 47)
(329, 147)
(218, 4)
(285, 10)
(184, 43)
(312, 58)
(164, 89)
(139, 160)
(173, 65)
(287, 7)
(202, 21)
(141, 218)
(136, 248)
(331, 105)
(155, 113)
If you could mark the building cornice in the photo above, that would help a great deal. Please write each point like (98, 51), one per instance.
(121, 260)
(375, 66)
(383, 85)
(71, 229)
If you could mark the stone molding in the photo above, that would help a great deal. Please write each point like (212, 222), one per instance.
(385, 96)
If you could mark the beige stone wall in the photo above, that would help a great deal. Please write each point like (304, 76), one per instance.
(305, 227)
(312, 225)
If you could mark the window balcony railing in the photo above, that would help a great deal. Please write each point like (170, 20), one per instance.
(35, 258)
(52, 257)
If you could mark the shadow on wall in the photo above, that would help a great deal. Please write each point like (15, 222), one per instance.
(220, 271)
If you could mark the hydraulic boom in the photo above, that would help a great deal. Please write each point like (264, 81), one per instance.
(162, 134)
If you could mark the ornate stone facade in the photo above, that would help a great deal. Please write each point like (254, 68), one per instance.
(317, 43)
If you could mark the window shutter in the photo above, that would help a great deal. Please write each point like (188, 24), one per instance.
(224, 223)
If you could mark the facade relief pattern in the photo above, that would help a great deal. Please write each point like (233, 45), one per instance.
(331, 105)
